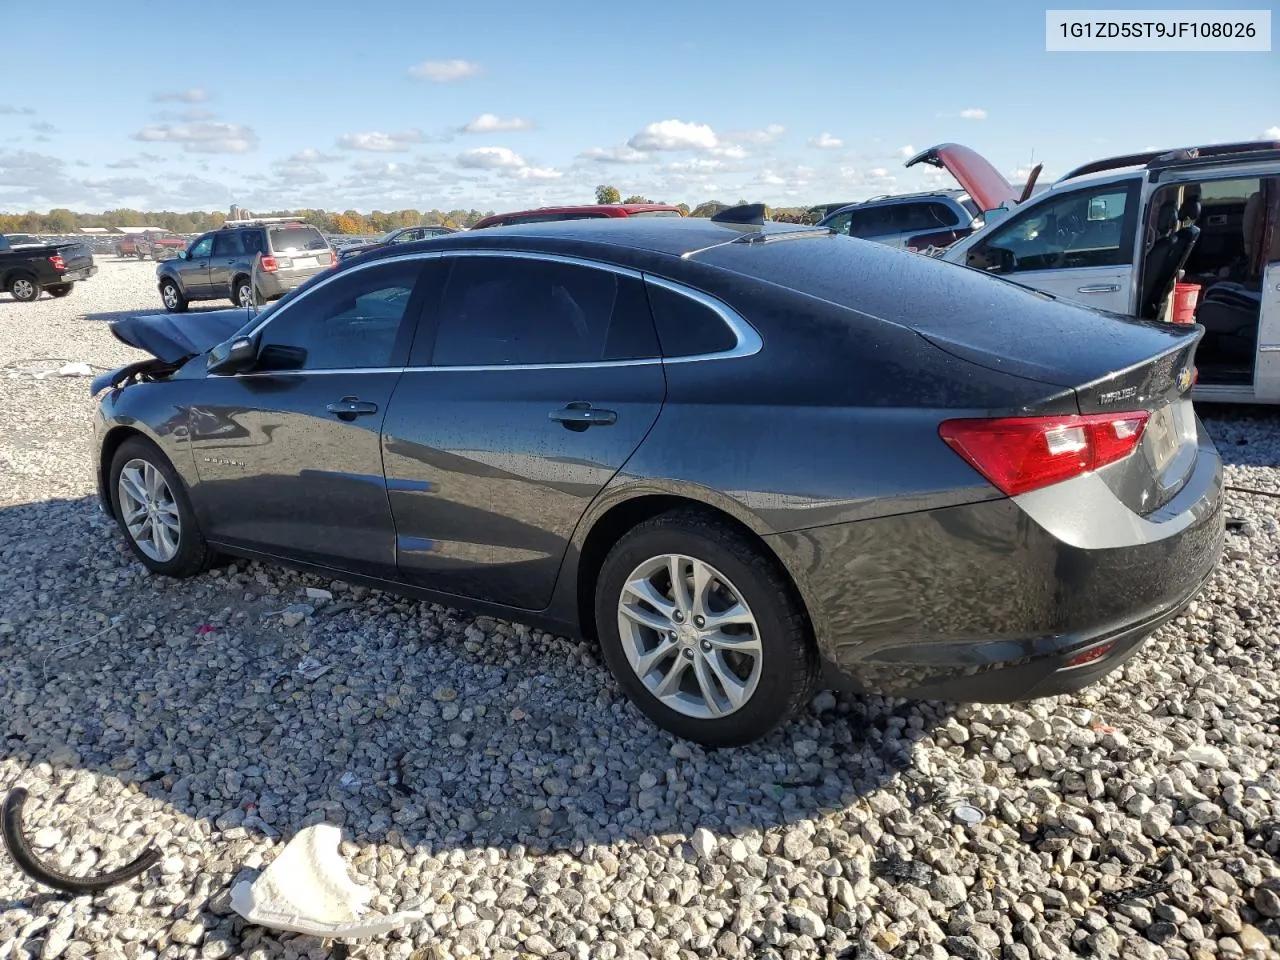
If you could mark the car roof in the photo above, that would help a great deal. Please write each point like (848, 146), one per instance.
(616, 239)
(900, 198)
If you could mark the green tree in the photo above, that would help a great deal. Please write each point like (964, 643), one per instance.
(636, 198)
(607, 194)
(684, 208)
(708, 208)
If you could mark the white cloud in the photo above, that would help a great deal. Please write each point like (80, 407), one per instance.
(42, 127)
(731, 151)
(378, 142)
(188, 115)
(491, 123)
(190, 95)
(695, 165)
(490, 158)
(770, 179)
(202, 137)
(312, 156)
(619, 154)
(7, 109)
(825, 141)
(973, 113)
(907, 152)
(768, 134)
(1271, 133)
(675, 135)
(444, 71)
(539, 173)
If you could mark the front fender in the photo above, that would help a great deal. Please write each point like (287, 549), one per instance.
(145, 409)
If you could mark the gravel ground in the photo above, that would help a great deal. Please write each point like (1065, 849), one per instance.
(490, 775)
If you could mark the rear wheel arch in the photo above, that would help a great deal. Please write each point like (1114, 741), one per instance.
(621, 518)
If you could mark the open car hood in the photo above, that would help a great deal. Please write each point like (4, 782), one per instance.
(173, 337)
(976, 176)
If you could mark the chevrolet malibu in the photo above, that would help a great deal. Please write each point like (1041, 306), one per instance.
(747, 459)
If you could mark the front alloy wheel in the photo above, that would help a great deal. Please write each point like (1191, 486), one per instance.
(149, 511)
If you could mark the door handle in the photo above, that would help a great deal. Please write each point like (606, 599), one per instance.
(579, 415)
(1099, 288)
(348, 408)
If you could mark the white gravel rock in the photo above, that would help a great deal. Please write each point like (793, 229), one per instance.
(490, 774)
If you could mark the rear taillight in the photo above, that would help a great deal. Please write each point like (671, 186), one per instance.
(1018, 454)
(58, 262)
(268, 264)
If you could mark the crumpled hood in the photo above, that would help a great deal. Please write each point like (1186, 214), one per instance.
(173, 337)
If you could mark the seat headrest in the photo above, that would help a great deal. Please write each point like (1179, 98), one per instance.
(1190, 209)
(1166, 217)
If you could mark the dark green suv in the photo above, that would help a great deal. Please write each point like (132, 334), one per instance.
(262, 259)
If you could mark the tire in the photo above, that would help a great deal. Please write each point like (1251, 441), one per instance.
(785, 667)
(190, 554)
(241, 291)
(24, 287)
(174, 301)
(60, 289)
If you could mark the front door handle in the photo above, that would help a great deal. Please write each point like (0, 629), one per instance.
(348, 408)
(579, 415)
(1099, 288)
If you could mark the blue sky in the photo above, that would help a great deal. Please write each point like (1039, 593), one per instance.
(502, 105)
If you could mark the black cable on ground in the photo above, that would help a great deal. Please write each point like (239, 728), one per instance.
(1252, 491)
(20, 850)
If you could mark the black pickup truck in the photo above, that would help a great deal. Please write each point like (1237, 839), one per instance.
(27, 270)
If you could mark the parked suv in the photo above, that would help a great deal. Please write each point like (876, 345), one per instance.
(260, 259)
(915, 221)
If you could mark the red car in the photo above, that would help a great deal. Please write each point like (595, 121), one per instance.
(588, 212)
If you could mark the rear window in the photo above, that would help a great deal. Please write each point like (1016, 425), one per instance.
(290, 239)
(970, 206)
(687, 328)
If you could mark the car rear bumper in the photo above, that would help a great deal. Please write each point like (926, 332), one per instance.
(275, 285)
(981, 603)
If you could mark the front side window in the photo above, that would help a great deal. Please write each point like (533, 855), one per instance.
(1084, 228)
(508, 310)
(350, 323)
(840, 223)
(201, 248)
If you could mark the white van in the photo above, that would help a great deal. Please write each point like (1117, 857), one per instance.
(1117, 233)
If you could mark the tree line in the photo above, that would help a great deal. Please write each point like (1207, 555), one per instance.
(348, 222)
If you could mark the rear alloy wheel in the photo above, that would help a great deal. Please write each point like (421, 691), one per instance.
(60, 289)
(24, 288)
(173, 299)
(151, 506)
(702, 630)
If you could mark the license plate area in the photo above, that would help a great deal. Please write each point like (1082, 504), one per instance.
(301, 263)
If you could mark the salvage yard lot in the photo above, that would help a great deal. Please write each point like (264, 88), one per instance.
(492, 776)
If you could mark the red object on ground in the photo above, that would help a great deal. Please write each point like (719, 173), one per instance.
(1185, 298)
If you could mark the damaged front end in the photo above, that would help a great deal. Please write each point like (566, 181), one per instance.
(141, 372)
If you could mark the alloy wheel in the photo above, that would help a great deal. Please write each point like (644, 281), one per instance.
(170, 295)
(149, 510)
(23, 289)
(690, 637)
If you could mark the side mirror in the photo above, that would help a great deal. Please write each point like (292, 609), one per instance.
(182, 254)
(233, 356)
(278, 356)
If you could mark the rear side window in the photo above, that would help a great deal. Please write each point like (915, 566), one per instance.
(254, 241)
(514, 310)
(296, 239)
(687, 328)
(872, 222)
(926, 216)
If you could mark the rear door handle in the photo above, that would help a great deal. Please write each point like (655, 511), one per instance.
(1099, 288)
(348, 408)
(579, 415)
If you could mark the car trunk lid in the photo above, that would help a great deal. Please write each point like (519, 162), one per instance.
(972, 171)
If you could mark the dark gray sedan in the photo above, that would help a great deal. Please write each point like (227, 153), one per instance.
(747, 459)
